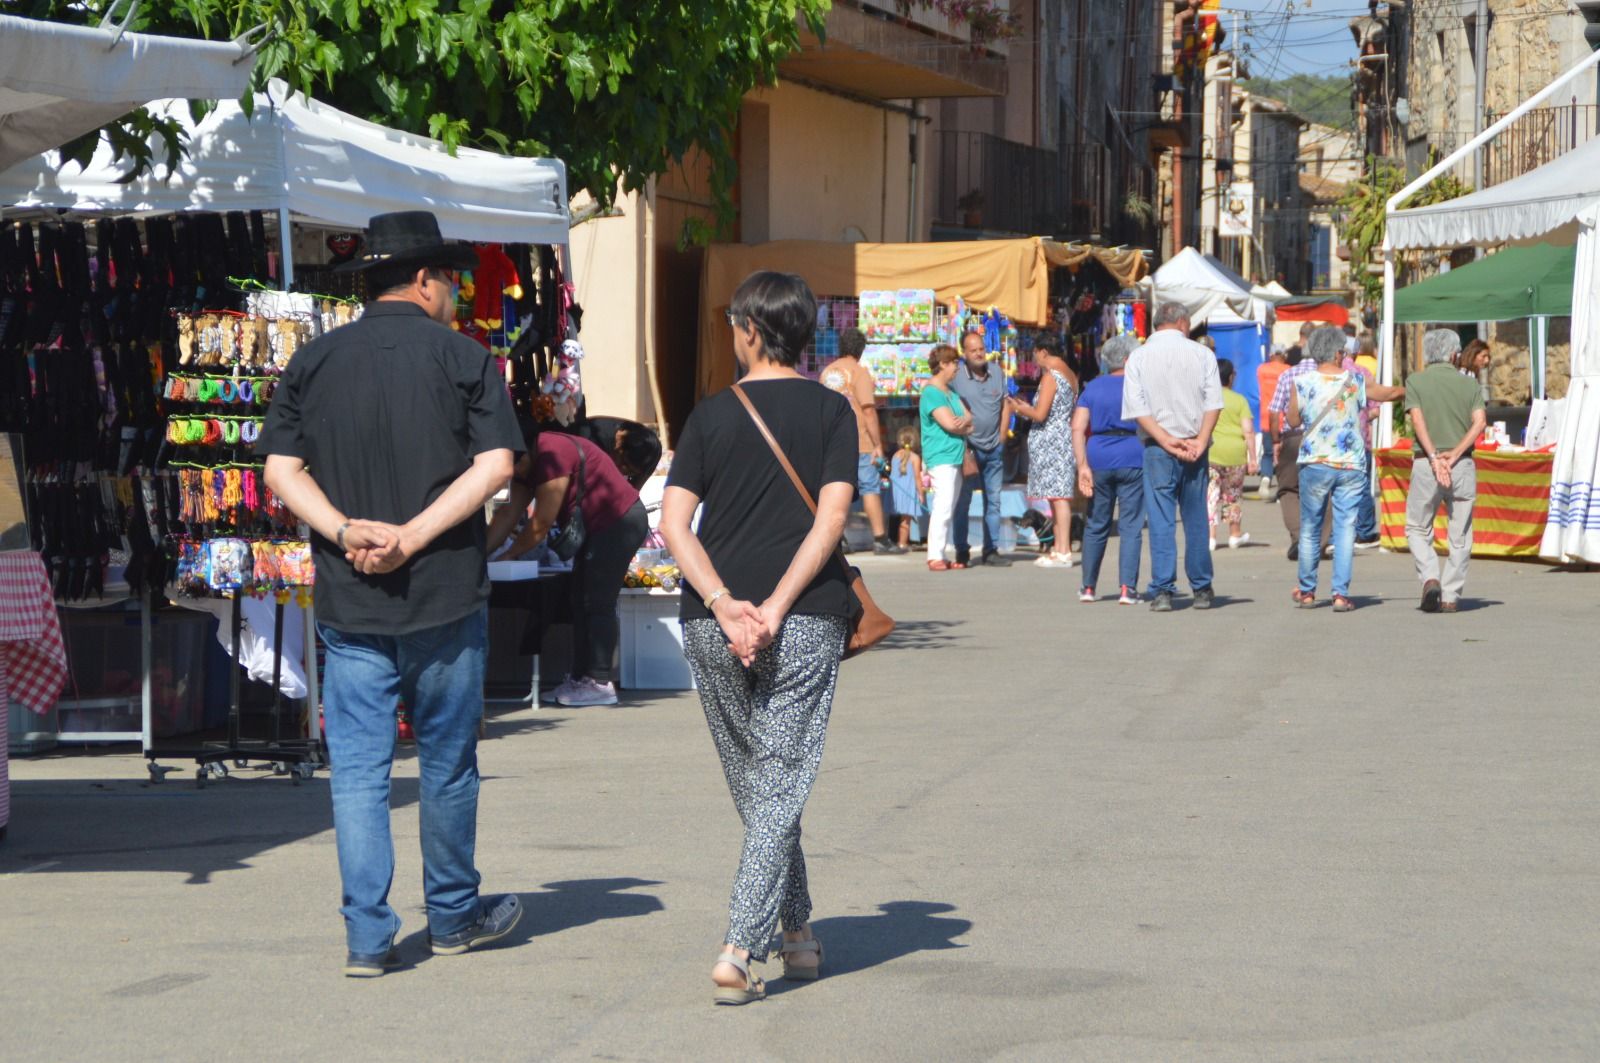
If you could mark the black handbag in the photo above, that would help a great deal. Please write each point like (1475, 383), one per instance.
(566, 543)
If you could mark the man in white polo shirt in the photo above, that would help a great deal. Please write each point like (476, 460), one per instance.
(1174, 393)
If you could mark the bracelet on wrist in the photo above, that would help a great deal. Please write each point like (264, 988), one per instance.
(711, 599)
(339, 535)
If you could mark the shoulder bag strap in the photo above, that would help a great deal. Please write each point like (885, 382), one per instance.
(1328, 406)
(777, 451)
(578, 480)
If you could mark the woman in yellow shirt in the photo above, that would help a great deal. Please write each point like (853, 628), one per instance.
(1233, 454)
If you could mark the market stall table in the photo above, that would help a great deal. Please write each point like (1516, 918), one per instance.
(1513, 502)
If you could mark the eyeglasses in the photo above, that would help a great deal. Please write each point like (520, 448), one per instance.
(733, 321)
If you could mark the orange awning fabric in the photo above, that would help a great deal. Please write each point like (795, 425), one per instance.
(1013, 275)
(1126, 265)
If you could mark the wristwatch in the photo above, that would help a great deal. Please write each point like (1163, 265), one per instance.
(711, 599)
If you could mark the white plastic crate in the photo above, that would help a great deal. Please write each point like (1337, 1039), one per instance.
(652, 642)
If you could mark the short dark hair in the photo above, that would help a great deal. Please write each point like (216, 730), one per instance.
(639, 451)
(781, 308)
(1295, 354)
(381, 280)
(851, 343)
(1349, 328)
(941, 356)
(1225, 371)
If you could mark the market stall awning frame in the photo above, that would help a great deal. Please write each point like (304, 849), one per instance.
(1518, 282)
(319, 165)
(59, 81)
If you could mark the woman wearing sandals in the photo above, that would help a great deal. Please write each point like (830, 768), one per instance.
(766, 603)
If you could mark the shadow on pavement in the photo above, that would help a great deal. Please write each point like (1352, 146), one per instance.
(114, 825)
(922, 634)
(568, 904)
(857, 942)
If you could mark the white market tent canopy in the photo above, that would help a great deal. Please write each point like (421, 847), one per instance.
(58, 81)
(1562, 193)
(313, 164)
(1523, 208)
(1209, 290)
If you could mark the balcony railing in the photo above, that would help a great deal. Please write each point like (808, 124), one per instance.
(988, 183)
(1536, 138)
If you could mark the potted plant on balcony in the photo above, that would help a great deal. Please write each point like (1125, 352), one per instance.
(971, 207)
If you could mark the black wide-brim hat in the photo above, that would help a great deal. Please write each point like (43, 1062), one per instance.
(409, 238)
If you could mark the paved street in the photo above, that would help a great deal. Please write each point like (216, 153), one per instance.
(1044, 830)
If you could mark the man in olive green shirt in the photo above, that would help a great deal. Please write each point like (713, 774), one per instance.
(1446, 411)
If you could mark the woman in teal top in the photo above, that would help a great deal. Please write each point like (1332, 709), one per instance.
(945, 426)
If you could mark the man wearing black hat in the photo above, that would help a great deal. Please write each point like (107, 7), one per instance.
(387, 436)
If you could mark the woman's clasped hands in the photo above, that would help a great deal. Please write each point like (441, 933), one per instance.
(749, 628)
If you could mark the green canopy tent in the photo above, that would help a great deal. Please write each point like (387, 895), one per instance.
(1532, 282)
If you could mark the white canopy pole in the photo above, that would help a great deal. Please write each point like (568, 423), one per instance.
(1386, 346)
(1386, 352)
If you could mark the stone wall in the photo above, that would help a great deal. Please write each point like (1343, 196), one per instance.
(1509, 344)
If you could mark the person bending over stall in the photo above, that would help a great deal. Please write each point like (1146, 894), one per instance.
(561, 475)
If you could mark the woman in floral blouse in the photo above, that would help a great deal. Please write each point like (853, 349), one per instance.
(1332, 461)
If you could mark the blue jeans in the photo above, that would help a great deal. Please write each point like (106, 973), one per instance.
(439, 673)
(1266, 456)
(1174, 489)
(1320, 486)
(991, 471)
(1367, 507)
(1124, 490)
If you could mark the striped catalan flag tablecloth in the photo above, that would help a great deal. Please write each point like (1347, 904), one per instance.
(1513, 502)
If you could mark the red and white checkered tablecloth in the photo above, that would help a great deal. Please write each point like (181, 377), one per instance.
(33, 656)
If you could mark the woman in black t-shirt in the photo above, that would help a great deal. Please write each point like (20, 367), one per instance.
(765, 607)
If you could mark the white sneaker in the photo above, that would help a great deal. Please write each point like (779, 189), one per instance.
(1054, 560)
(1129, 596)
(1213, 544)
(1236, 541)
(1086, 595)
(562, 689)
(586, 692)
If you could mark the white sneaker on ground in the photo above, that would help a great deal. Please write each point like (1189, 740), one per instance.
(1213, 544)
(1086, 595)
(1236, 541)
(1129, 596)
(586, 692)
(562, 689)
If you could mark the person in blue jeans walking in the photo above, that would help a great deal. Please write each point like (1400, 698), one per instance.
(387, 436)
(1110, 471)
(1332, 459)
(1172, 389)
(982, 387)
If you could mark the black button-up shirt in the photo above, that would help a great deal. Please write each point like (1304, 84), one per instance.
(386, 413)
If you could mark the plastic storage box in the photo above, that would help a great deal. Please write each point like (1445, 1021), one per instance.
(102, 693)
(652, 642)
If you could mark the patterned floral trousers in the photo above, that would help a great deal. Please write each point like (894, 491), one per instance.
(768, 723)
(1222, 497)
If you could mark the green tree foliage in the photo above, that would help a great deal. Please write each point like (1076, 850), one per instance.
(618, 89)
(1362, 215)
(1324, 100)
